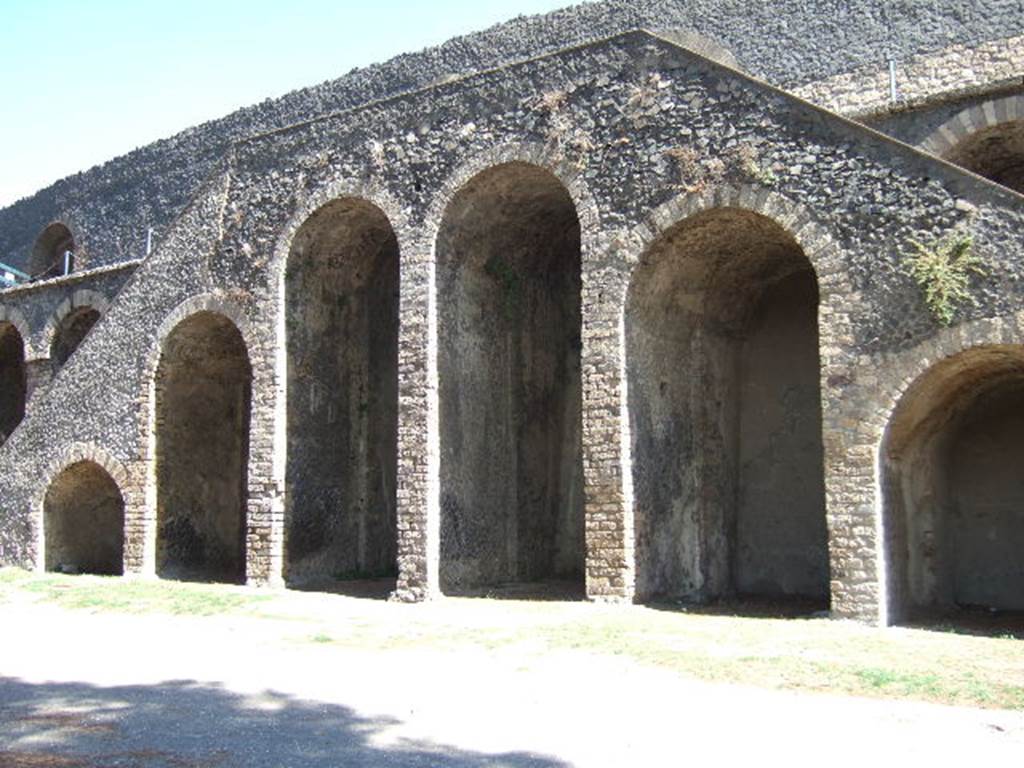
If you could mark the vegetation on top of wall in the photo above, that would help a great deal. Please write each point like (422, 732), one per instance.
(740, 162)
(943, 270)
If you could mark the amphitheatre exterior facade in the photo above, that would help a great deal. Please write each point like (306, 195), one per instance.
(619, 298)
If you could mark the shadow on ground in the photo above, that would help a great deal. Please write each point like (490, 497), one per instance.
(184, 724)
(538, 591)
(970, 620)
(364, 589)
(753, 607)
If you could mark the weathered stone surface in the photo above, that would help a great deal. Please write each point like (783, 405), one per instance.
(551, 307)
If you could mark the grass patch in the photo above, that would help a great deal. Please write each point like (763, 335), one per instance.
(115, 594)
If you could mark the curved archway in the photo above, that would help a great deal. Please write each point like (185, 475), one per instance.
(725, 414)
(70, 332)
(203, 397)
(952, 492)
(995, 152)
(83, 522)
(13, 385)
(52, 252)
(341, 318)
(508, 279)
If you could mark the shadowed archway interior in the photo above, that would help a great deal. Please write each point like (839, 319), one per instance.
(83, 519)
(952, 489)
(508, 282)
(341, 315)
(12, 380)
(48, 252)
(725, 414)
(996, 152)
(203, 395)
(71, 332)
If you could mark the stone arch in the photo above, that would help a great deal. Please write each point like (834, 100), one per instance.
(68, 456)
(724, 461)
(947, 488)
(525, 153)
(83, 521)
(508, 265)
(13, 381)
(202, 395)
(986, 139)
(82, 300)
(48, 251)
(340, 314)
(71, 322)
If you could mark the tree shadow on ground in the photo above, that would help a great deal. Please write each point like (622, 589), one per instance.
(186, 724)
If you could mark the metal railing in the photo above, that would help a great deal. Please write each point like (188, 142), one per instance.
(10, 277)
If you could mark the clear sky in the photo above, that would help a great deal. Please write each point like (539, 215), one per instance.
(83, 81)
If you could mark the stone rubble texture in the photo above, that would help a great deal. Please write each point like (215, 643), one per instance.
(640, 134)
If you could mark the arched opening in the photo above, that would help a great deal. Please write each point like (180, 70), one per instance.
(997, 153)
(70, 333)
(508, 281)
(203, 394)
(12, 380)
(725, 417)
(341, 307)
(953, 492)
(83, 522)
(53, 253)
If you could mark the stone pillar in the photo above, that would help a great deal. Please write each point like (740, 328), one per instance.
(419, 512)
(139, 521)
(264, 540)
(850, 438)
(850, 485)
(610, 567)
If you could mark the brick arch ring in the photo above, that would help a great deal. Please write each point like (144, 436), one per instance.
(80, 299)
(369, 191)
(17, 319)
(814, 239)
(528, 153)
(968, 121)
(206, 302)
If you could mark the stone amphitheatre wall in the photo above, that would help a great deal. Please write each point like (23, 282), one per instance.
(790, 43)
(610, 259)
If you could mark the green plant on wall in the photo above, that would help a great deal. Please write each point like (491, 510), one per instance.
(943, 269)
(748, 162)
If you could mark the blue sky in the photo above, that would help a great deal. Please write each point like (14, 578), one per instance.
(83, 82)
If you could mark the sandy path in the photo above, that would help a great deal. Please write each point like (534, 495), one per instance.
(148, 690)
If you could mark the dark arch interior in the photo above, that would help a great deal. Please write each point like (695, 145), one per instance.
(953, 492)
(12, 380)
(83, 519)
(203, 394)
(997, 153)
(70, 333)
(725, 415)
(341, 305)
(49, 250)
(508, 281)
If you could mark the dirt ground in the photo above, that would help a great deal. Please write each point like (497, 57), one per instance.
(320, 680)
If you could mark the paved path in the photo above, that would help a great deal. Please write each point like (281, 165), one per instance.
(99, 690)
